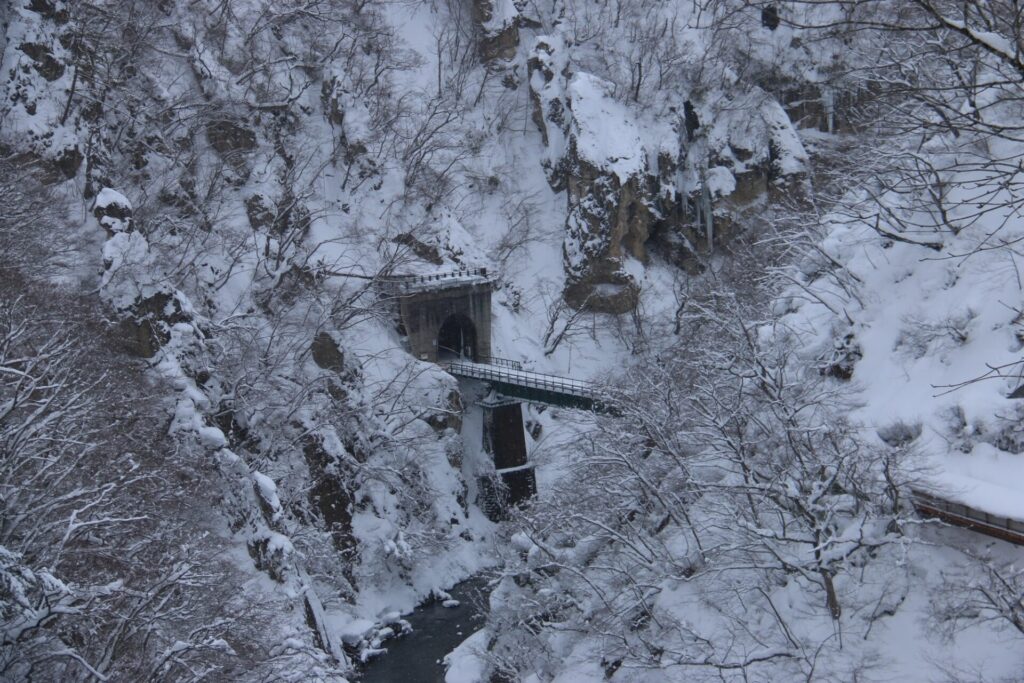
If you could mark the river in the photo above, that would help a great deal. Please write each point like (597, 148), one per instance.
(437, 630)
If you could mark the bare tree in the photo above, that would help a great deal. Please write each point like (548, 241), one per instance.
(986, 589)
(728, 470)
(86, 536)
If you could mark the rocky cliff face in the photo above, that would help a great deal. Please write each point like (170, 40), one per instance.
(38, 68)
(691, 177)
(740, 161)
(221, 129)
(606, 189)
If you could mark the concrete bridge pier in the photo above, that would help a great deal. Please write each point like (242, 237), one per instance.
(504, 439)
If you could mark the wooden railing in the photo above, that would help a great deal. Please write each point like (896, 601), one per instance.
(931, 505)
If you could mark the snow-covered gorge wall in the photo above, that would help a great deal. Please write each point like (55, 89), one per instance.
(218, 171)
(228, 179)
(231, 173)
(884, 330)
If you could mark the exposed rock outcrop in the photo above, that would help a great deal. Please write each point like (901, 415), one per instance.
(499, 25)
(448, 415)
(39, 70)
(691, 182)
(609, 212)
(260, 214)
(428, 252)
(147, 325)
(233, 141)
(330, 495)
(744, 158)
(113, 211)
(827, 107)
(327, 354)
(43, 60)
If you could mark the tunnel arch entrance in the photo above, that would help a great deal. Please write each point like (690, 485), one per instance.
(457, 339)
(451, 311)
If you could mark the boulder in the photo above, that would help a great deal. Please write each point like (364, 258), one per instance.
(261, 216)
(841, 360)
(43, 61)
(51, 9)
(148, 323)
(292, 283)
(233, 141)
(270, 553)
(46, 165)
(448, 415)
(327, 354)
(605, 289)
(428, 252)
(227, 137)
(68, 160)
(113, 211)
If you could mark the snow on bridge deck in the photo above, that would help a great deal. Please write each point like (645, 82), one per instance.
(535, 387)
(939, 506)
(502, 373)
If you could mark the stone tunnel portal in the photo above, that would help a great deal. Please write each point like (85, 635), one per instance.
(457, 339)
(453, 313)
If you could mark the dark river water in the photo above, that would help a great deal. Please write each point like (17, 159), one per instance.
(437, 630)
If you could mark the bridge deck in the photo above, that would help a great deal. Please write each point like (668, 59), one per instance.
(532, 387)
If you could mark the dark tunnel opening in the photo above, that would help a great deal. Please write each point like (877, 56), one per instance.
(457, 339)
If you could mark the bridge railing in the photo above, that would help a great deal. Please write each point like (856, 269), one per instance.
(501, 362)
(483, 360)
(533, 380)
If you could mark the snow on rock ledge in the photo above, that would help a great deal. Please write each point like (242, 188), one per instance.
(752, 140)
(743, 155)
(548, 68)
(34, 92)
(604, 131)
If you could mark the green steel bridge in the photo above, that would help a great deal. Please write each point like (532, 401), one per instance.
(510, 380)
